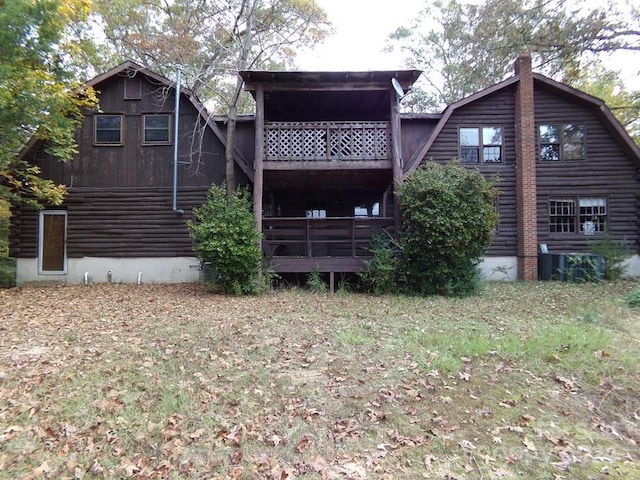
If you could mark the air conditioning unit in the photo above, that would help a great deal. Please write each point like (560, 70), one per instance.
(571, 267)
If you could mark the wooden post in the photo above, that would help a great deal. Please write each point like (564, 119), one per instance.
(258, 175)
(396, 152)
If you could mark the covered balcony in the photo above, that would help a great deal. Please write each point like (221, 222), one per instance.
(327, 142)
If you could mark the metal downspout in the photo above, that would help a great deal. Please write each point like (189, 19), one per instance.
(175, 142)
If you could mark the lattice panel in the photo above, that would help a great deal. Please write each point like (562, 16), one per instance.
(327, 141)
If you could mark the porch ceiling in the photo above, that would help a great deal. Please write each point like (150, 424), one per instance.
(324, 96)
(327, 180)
(322, 106)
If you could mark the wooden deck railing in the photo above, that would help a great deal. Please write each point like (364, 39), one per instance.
(327, 141)
(339, 237)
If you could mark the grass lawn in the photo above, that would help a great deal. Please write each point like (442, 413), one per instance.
(535, 381)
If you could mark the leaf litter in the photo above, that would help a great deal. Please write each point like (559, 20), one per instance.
(150, 381)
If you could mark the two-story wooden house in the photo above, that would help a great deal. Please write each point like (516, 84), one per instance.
(322, 155)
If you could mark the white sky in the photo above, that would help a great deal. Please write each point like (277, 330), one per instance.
(361, 27)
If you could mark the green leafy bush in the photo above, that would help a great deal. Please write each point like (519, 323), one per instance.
(633, 298)
(614, 253)
(227, 241)
(383, 271)
(448, 222)
(316, 283)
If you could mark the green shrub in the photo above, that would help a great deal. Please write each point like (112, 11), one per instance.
(316, 283)
(614, 253)
(633, 298)
(382, 272)
(7, 272)
(227, 241)
(448, 222)
(5, 215)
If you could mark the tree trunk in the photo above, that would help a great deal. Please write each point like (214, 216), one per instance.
(230, 172)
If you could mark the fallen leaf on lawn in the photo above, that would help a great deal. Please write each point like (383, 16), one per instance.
(429, 461)
(130, 468)
(566, 383)
(42, 471)
(303, 444)
(236, 472)
(236, 457)
(464, 376)
(529, 444)
(487, 459)
(353, 470)
(467, 445)
(197, 434)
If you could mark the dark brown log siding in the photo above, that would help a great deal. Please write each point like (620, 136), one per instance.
(606, 172)
(131, 222)
(119, 199)
(494, 110)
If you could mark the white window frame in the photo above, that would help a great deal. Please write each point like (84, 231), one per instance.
(41, 220)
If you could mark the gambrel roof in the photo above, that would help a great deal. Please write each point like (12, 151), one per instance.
(593, 103)
(129, 67)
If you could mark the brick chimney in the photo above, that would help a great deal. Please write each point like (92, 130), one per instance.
(526, 171)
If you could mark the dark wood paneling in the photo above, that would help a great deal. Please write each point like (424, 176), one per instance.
(415, 131)
(606, 171)
(132, 222)
(495, 110)
(132, 164)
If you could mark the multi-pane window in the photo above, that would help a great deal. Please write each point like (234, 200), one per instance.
(593, 215)
(156, 128)
(587, 215)
(108, 129)
(561, 142)
(481, 144)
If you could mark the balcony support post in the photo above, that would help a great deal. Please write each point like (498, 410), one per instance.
(396, 152)
(259, 158)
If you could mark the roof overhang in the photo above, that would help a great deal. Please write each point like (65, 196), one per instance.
(318, 96)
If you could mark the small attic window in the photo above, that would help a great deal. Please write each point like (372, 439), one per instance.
(133, 88)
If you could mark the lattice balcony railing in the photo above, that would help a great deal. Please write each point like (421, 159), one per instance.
(317, 141)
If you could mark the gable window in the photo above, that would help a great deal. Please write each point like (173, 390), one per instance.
(587, 215)
(481, 144)
(52, 242)
(108, 129)
(561, 142)
(156, 128)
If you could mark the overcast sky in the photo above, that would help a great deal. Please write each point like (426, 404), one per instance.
(362, 27)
